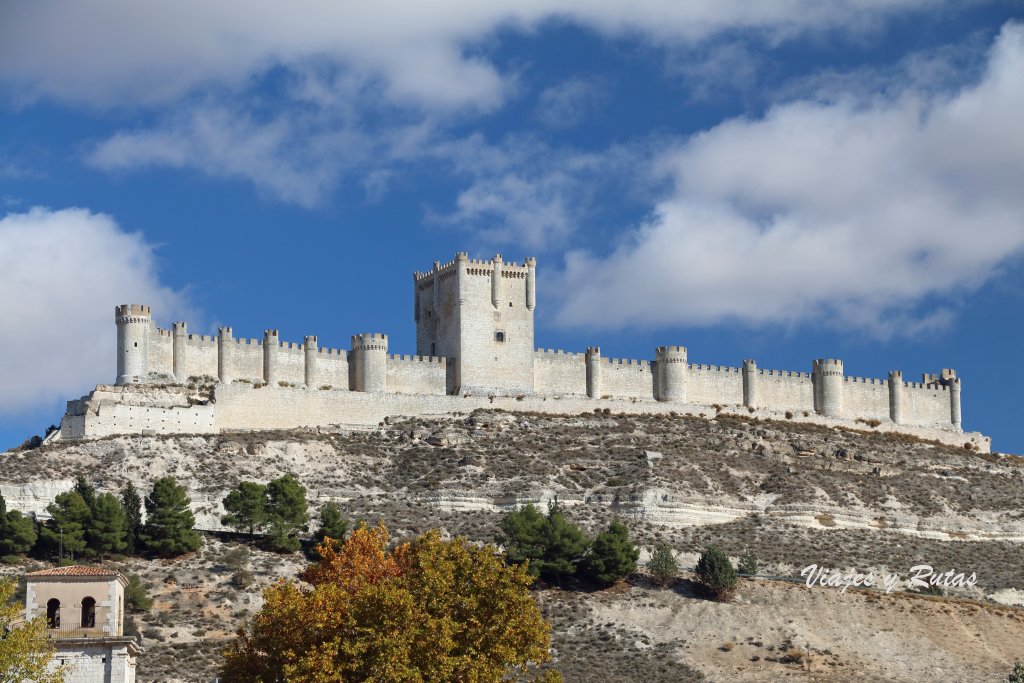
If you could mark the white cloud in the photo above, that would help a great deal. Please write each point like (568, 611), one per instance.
(112, 53)
(565, 105)
(845, 213)
(68, 268)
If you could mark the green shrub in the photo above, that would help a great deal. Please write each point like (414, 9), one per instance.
(748, 564)
(716, 574)
(663, 565)
(1017, 675)
(551, 544)
(612, 556)
(136, 597)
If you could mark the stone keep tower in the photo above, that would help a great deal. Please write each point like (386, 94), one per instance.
(480, 315)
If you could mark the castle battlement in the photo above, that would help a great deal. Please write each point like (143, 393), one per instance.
(474, 339)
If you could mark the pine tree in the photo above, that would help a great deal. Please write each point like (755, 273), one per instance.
(663, 565)
(70, 517)
(332, 524)
(106, 533)
(19, 535)
(246, 507)
(566, 544)
(612, 556)
(716, 572)
(131, 502)
(551, 544)
(86, 490)
(286, 513)
(169, 521)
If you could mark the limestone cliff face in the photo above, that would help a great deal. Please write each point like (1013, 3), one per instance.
(673, 477)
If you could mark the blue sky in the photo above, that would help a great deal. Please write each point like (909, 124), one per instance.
(774, 180)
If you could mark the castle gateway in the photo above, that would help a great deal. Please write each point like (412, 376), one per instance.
(474, 349)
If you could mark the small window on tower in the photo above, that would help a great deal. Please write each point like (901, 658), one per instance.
(499, 336)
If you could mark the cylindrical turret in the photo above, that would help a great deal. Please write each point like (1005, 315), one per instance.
(750, 383)
(133, 323)
(310, 348)
(179, 341)
(672, 373)
(224, 344)
(594, 371)
(828, 386)
(896, 396)
(954, 403)
(369, 362)
(531, 283)
(271, 343)
(497, 265)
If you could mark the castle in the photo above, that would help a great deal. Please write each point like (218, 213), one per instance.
(474, 348)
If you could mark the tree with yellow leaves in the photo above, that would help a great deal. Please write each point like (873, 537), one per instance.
(431, 610)
(25, 652)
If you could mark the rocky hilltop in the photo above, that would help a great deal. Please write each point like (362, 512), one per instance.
(793, 494)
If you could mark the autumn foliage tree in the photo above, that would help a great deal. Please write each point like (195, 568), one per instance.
(25, 651)
(431, 610)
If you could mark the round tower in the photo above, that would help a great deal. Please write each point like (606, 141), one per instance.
(531, 283)
(594, 371)
(750, 383)
(224, 344)
(271, 342)
(179, 340)
(133, 323)
(828, 385)
(369, 362)
(496, 266)
(672, 373)
(896, 396)
(310, 347)
(954, 402)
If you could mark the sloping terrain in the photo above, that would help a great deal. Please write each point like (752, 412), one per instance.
(792, 494)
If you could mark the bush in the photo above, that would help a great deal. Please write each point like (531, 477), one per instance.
(136, 597)
(612, 556)
(242, 579)
(748, 564)
(1017, 675)
(716, 574)
(551, 544)
(663, 565)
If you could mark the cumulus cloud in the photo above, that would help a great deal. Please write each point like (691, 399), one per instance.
(69, 269)
(527, 193)
(114, 53)
(848, 213)
(290, 156)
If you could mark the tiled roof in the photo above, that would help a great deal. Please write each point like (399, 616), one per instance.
(76, 570)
